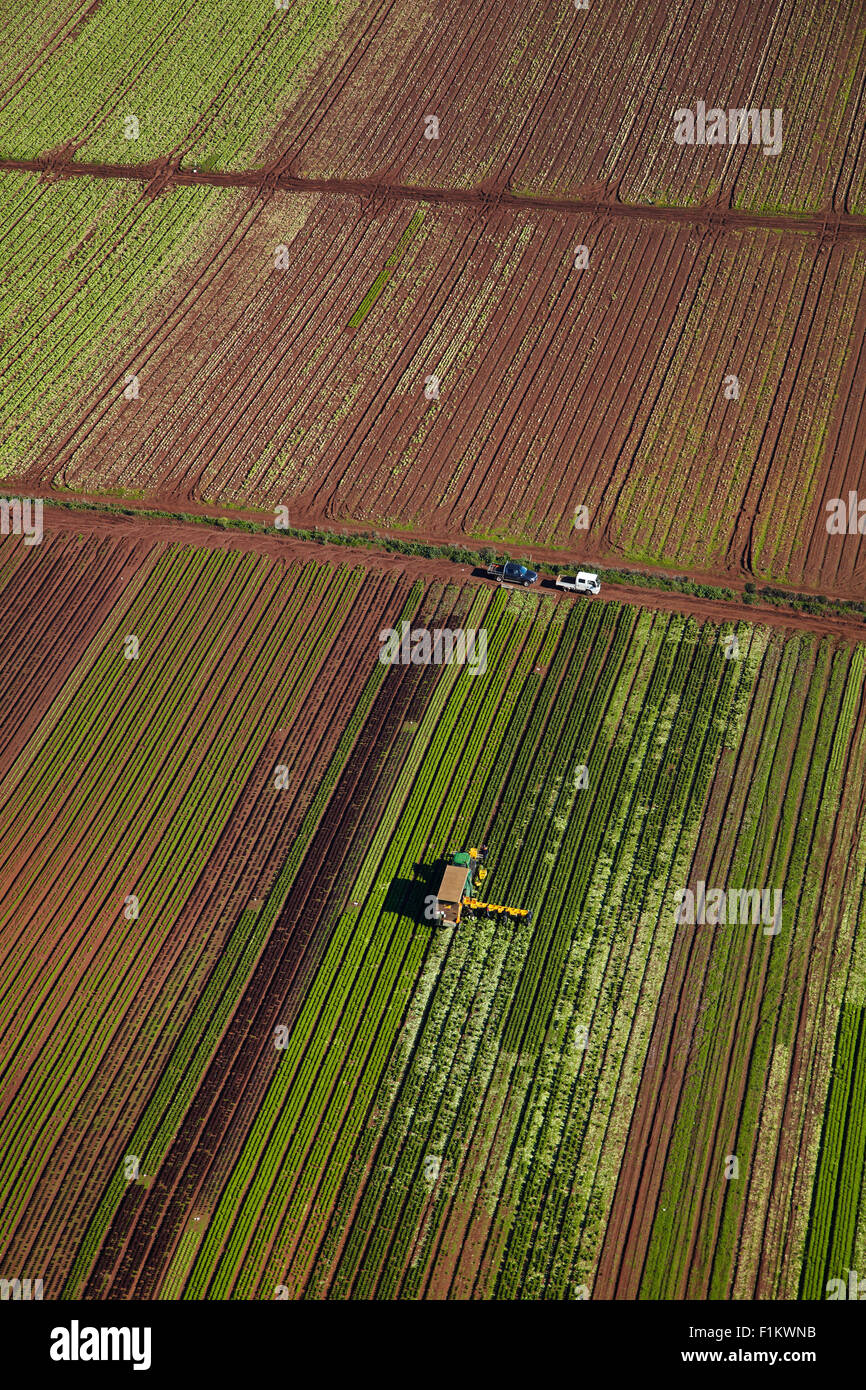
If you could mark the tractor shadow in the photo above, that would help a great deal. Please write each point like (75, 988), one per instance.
(406, 896)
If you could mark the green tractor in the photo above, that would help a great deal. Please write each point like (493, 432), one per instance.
(463, 871)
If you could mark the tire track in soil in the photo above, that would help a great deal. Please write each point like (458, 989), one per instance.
(265, 181)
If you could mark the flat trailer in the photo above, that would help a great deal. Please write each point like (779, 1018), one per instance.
(456, 885)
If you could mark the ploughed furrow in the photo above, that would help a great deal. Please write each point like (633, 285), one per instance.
(243, 867)
(54, 598)
(111, 830)
(135, 1258)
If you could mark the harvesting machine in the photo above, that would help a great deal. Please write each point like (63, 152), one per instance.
(456, 890)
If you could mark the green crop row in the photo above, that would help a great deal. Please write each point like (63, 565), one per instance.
(671, 1226)
(165, 872)
(384, 275)
(202, 1033)
(476, 708)
(270, 671)
(779, 833)
(841, 1157)
(393, 1228)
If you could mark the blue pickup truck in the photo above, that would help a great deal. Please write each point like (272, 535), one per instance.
(512, 573)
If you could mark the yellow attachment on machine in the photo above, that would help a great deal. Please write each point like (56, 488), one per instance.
(475, 905)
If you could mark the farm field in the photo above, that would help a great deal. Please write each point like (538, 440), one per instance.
(327, 1097)
(282, 277)
(202, 82)
(500, 1139)
(140, 821)
(554, 387)
(343, 89)
(547, 99)
(434, 367)
(83, 261)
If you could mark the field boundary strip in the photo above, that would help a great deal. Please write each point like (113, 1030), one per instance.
(265, 182)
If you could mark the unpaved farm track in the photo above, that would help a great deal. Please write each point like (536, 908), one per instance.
(160, 175)
(188, 533)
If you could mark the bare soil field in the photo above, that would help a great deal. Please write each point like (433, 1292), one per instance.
(549, 99)
(449, 370)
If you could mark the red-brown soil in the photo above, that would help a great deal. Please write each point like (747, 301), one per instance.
(678, 1041)
(168, 531)
(559, 388)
